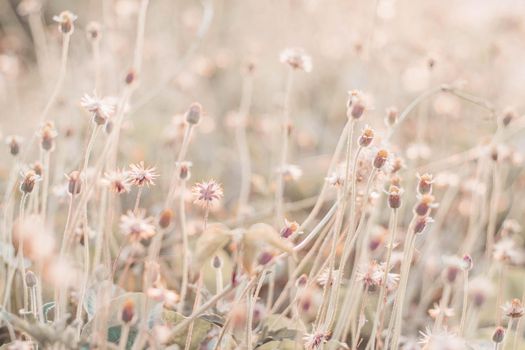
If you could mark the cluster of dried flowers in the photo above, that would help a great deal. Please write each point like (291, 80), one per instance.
(400, 246)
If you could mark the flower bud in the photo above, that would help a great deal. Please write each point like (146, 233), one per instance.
(65, 22)
(498, 335)
(394, 197)
(28, 181)
(193, 114)
(366, 137)
(426, 202)
(469, 264)
(380, 158)
(75, 183)
(128, 311)
(421, 224)
(165, 218)
(391, 116)
(31, 279)
(216, 262)
(424, 185)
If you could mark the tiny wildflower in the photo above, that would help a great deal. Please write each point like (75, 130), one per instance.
(314, 341)
(137, 226)
(118, 181)
(297, 59)
(101, 109)
(513, 309)
(141, 176)
(206, 194)
(65, 22)
(29, 179)
(290, 228)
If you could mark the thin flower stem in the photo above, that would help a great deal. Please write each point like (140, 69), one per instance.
(185, 247)
(137, 200)
(443, 303)
(61, 76)
(45, 186)
(279, 188)
(124, 337)
(381, 301)
(465, 304)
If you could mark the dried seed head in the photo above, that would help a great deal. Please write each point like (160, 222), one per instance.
(140, 176)
(422, 223)
(355, 105)
(508, 116)
(31, 279)
(165, 218)
(128, 311)
(184, 170)
(93, 31)
(14, 143)
(397, 165)
(75, 182)
(207, 194)
(380, 158)
(193, 114)
(47, 136)
(498, 335)
(514, 309)
(29, 178)
(216, 262)
(424, 186)
(297, 59)
(468, 263)
(425, 204)
(38, 168)
(366, 137)
(394, 197)
(65, 22)
(391, 116)
(131, 77)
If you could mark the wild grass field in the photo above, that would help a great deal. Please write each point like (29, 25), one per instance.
(279, 174)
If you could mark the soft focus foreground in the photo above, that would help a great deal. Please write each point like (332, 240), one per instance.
(262, 174)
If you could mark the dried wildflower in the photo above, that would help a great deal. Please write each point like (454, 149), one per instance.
(290, 172)
(47, 136)
(325, 277)
(424, 205)
(93, 31)
(366, 137)
(422, 223)
(184, 169)
(101, 109)
(371, 276)
(127, 314)
(381, 158)
(65, 22)
(290, 228)
(38, 168)
(506, 250)
(441, 340)
(74, 182)
(424, 185)
(394, 197)
(137, 226)
(314, 341)
(31, 279)
(436, 311)
(29, 179)
(498, 335)
(14, 142)
(391, 116)
(337, 177)
(141, 176)
(297, 59)
(118, 181)
(193, 114)
(513, 309)
(165, 218)
(216, 262)
(207, 194)
(356, 104)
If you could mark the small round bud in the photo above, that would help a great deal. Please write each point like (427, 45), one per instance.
(65, 22)
(391, 116)
(47, 136)
(366, 137)
(93, 32)
(380, 158)
(128, 311)
(216, 262)
(356, 105)
(450, 274)
(31, 279)
(131, 76)
(193, 114)
(13, 142)
(165, 218)
(468, 263)
(394, 197)
(498, 335)
(421, 224)
(424, 186)
(75, 183)
(28, 181)
(508, 116)
(184, 170)
(426, 202)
